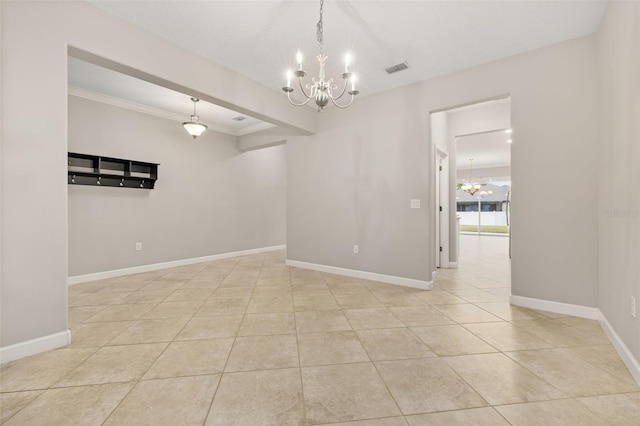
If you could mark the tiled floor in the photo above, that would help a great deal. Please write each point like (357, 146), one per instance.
(249, 341)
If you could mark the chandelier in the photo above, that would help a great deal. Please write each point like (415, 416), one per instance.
(471, 187)
(194, 127)
(321, 90)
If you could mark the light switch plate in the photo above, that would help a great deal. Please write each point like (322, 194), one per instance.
(415, 203)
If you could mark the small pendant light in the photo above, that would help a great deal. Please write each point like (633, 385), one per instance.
(194, 127)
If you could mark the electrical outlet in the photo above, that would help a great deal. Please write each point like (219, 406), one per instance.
(633, 306)
(356, 249)
(415, 203)
(138, 246)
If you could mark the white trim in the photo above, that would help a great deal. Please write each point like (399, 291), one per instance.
(164, 265)
(389, 279)
(556, 307)
(34, 346)
(625, 354)
(453, 265)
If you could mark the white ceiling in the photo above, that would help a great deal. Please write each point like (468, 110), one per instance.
(487, 150)
(100, 84)
(259, 38)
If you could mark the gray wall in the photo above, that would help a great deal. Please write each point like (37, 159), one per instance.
(34, 90)
(351, 182)
(210, 197)
(619, 246)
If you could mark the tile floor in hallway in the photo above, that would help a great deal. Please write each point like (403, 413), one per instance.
(249, 341)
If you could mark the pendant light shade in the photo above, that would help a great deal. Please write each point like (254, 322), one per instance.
(194, 127)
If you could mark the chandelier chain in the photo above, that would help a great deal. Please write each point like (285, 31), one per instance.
(320, 29)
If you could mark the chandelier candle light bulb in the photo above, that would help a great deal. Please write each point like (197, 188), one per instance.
(321, 90)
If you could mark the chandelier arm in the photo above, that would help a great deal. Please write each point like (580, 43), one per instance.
(342, 106)
(344, 89)
(303, 91)
(296, 103)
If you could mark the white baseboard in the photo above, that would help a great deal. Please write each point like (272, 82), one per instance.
(556, 307)
(453, 265)
(389, 279)
(164, 265)
(584, 312)
(34, 346)
(625, 354)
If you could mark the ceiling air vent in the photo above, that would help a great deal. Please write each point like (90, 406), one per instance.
(398, 67)
(239, 118)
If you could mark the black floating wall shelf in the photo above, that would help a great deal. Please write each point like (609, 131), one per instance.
(95, 170)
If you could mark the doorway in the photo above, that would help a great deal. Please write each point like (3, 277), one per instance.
(472, 179)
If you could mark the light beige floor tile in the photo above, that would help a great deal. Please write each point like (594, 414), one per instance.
(42, 370)
(264, 305)
(315, 303)
(283, 292)
(472, 417)
(336, 347)
(113, 364)
(123, 312)
(561, 334)
(349, 287)
(97, 334)
(11, 403)
(566, 412)
(98, 299)
(502, 293)
(316, 321)
(370, 318)
(202, 283)
(427, 385)
(414, 316)
(81, 406)
(569, 373)
(173, 310)
(358, 300)
(505, 336)
(129, 285)
(345, 392)
(265, 324)
(213, 327)
(272, 397)
(452, 285)
(189, 294)
(79, 314)
(263, 353)
(500, 380)
(392, 344)
(387, 421)
(178, 276)
(620, 409)
(150, 331)
(447, 340)
(466, 313)
(191, 358)
(235, 306)
(232, 292)
(163, 285)
(438, 297)
(311, 289)
(508, 312)
(174, 401)
(606, 358)
(476, 295)
(148, 296)
(398, 299)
